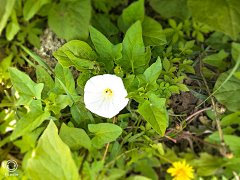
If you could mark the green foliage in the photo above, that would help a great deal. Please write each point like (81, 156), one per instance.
(65, 15)
(31, 120)
(170, 8)
(154, 111)
(26, 88)
(104, 133)
(133, 12)
(48, 157)
(156, 56)
(132, 48)
(76, 53)
(75, 138)
(228, 17)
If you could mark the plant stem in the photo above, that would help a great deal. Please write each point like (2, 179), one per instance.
(194, 114)
(194, 137)
(214, 107)
(105, 153)
(81, 167)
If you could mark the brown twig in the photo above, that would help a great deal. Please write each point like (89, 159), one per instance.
(9, 156)
(194, 114)
(105, 153)
(214, 107)
(194, 137)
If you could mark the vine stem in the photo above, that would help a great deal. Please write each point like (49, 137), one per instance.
(105, 153)
(194, 137)
(214, 106)
(194, 114)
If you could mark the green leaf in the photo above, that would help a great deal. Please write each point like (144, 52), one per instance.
(52, 159)
(133, 12)
(65, 76)
(207, 165)
(221, 15)
(83, 78)
(155, 113)
(31, 7)
(26, 88)
(78, 115)
(107, 51)
(5, 12)
(73, 16)
(132, 48)
(233, 142)
(59, 102)
(34, 40)
(149, 77)
(227, 87)
(229, 92)
(170, 8)
(76, 53)
(13, 27)
(75, 138)
(207, 73)
(152, 32)
(218, 41)
(189, 69)
(46, 79)
(217, 59)
(104, 133)
(31, 120)
(104, 25)
(230, 119)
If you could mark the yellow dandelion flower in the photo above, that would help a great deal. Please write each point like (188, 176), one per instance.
(181, 171)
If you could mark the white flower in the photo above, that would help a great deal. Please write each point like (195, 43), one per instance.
(105, 95)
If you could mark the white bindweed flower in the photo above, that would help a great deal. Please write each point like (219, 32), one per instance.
(105, 95)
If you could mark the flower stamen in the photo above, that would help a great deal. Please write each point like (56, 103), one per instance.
(108, 93)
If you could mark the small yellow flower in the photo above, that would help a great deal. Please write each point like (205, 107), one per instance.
(181, 171)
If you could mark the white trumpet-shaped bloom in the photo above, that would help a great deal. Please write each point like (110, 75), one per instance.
(105, 95)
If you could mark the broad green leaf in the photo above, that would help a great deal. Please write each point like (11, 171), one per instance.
(75, 138)
(104, 133)
(221, 15)
(155, 113)
(152, 32)
(104, 25)
(59, 102)
(65, 76)
(52, 159)
(26, 88)
(228, 94)
(31, 7)
(5, 11)
(76, 53)
(133, 12)
(46, 79)
(230, 119)
(31, 120)
(70, 20)
(207, 165)
(107, 51)
(207, 73)
(170, 8)
(13, 27)
(227, 87)
(132, 48)
(217, 60)
(233, 142)
(149, 77)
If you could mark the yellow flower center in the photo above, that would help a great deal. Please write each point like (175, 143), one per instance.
(108, 93)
